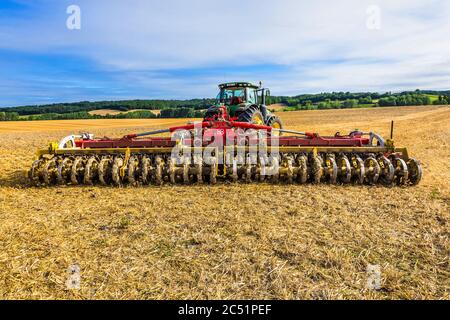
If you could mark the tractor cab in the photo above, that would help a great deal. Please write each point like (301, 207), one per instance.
(232, 94)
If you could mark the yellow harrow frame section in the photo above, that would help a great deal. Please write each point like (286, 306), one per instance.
(403, 152)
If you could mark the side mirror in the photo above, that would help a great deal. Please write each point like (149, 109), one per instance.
(267, 97)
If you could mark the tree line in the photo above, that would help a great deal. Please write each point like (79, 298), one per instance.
(194, 108)
(344, 100)
(123, 105)
(139, 114)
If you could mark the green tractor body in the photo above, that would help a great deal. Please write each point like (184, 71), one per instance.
(246, 102)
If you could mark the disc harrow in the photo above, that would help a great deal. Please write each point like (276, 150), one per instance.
(237, 152)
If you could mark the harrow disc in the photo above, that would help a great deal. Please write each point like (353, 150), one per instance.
(186, 167)
(275, 166)
(344, 169)
(115, 172)
(33, 174)
(159, 170)
(77, 171)
(146, 169)
(289, 175)
(198, 165)
(261, 169)
(401, 170)
(91, 171)
(104, 171)
(302, 169)
(372, 170)
(213, 171)
(49, 171)
(387, 170)
(331, 169)
(414, 171)
(316, 169)
(133, 165)
(172, 171)
(358, 169)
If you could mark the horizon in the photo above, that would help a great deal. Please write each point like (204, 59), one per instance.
(212, 98)
(55, 52)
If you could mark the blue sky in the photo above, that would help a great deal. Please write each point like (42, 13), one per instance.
(183, 49)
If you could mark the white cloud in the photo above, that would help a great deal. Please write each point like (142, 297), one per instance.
(322, 45)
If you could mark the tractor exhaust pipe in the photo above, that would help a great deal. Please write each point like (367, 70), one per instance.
(392, 129)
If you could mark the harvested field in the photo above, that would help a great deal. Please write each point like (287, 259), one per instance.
(104, 112)
(230, 241)
(277, 107)
(86, 125)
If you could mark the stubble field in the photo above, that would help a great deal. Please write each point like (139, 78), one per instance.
(230, 241)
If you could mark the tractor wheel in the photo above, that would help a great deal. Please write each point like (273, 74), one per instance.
(252, 115)
(275, 122)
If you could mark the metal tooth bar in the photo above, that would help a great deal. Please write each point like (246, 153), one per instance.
(290, 167)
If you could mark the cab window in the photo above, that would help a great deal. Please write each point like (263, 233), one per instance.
(232, 96)
(251, 96)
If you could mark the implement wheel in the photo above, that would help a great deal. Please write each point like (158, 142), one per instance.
(275, 122)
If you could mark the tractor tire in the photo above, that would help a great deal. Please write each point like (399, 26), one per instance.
(252, 115)
(274, 122)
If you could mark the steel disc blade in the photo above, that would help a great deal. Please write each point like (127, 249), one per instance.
(415, 171)
(49, 171)
(133, 165)
(262, 168)
(159, 164)
(213, 171)
(186, 167)
(387, 170)
(372, 169)
(302, 169)
(198, 164)
(115, 172)
(332, 169)
(145, 170)
(275, 167)
(344, 169)
(104, 171)
(76, 174)
(401, 170)
(171, 170)
(358, 169)
(91, 171)
(34, 171)
(290, 170)
(316, 169)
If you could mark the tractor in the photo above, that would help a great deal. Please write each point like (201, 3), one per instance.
(245, 102)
